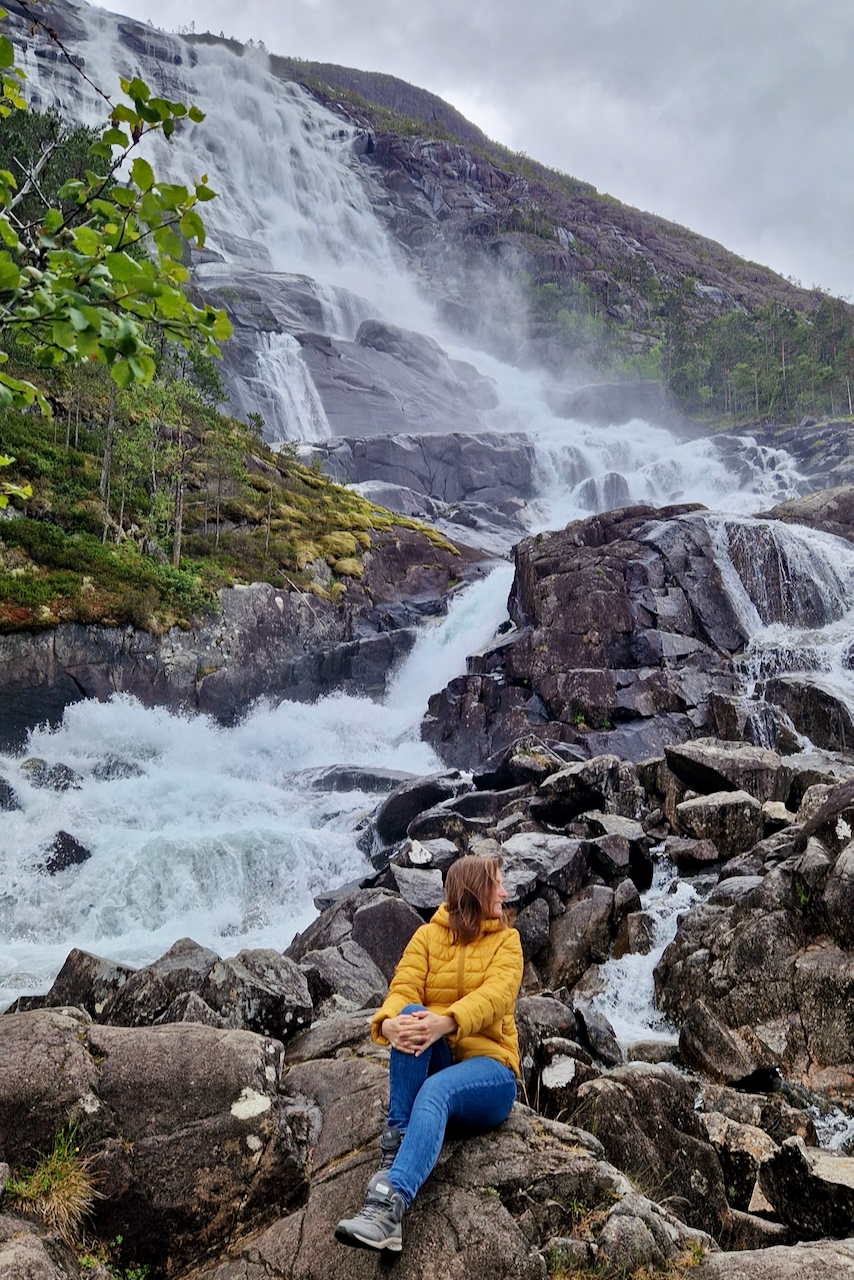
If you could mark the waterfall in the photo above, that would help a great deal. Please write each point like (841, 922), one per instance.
(202, 830)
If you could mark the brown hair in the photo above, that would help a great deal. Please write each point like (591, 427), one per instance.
(469, 891)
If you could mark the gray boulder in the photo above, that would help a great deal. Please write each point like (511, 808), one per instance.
(709, 765)
(711, 1048)
(811, 1190)
(86, 981)
(411, 798)
(741, 1149)
(346, 970)
(579, 938)
(826, 1260)
(732, 820)
(838, 899)
(382, 928)
(259, 990)
(146, 994)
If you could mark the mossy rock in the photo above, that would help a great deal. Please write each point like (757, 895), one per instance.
(305, 552)
(339, 544)
(348, 567)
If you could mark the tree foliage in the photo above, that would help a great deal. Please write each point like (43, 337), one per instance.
(87, 271)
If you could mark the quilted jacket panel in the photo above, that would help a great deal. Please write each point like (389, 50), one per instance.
(476, 983)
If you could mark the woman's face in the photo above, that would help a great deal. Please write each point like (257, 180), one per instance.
(499, 897)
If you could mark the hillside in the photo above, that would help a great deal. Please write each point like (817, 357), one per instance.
(600, 288)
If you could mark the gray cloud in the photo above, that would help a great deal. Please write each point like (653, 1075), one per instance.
(734, 119)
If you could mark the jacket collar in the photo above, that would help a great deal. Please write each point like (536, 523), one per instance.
(440, 916)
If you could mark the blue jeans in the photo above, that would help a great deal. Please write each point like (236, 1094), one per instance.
(427, 1091)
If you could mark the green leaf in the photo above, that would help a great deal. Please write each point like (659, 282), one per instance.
(167, 242)
(222, 327)
(124, 197)
(7, 53)
(86, 241)
(121, 267)
(204, 193)
(10, 275)
(168, 128)
(79, 322)
(196, 115)
(192, 227)
(63, 335)
(137, 89)
(115, 138)
(121, 374)
(52, 220)
(142, 174)
(123, 114)
(101, 151)
(7, 235)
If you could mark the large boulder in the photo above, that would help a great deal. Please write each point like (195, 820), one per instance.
(192, 1138)
(579, 938)
(812, 1191)
(146, 994)
(732, 820)
(826, 1260)
(709, 765)
(261, 991)
(644, 1117)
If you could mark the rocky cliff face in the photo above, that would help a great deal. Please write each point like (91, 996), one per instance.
(264, 642)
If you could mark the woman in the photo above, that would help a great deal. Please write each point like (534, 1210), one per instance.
(448, 1017)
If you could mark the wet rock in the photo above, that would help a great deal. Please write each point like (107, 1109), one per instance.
(146, 994)
(346, 970)
(635, 935)
(8, 798)
(769, 1112)
(87, 982)
(812, 1191)
(65, 851)
(732, 820)
(112, 767)
(51, 777)
(815, 712)
(709, 766)
(711, 1048)
(349, 777)
(411, 798)
(442, 823)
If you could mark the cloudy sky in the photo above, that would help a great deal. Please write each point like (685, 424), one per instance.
(734, 118)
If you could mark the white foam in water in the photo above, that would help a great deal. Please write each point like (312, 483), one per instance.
(628, 1001)
(219, 838)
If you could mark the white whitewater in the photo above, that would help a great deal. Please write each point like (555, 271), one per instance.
(219, 836)
(628, 998)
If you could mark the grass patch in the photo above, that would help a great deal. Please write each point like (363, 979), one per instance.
(59, 1187)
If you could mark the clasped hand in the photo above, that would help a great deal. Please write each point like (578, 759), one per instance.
(415, 1032)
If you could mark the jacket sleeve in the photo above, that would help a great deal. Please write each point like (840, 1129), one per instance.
(408, 986)
(496, 995)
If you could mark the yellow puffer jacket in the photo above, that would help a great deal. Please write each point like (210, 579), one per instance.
(476, 983)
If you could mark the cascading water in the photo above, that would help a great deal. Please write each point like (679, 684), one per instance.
(195, 829)
(793, 590)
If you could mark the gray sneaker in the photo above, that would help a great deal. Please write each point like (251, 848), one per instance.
(390, 1140)
(378, 1225)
